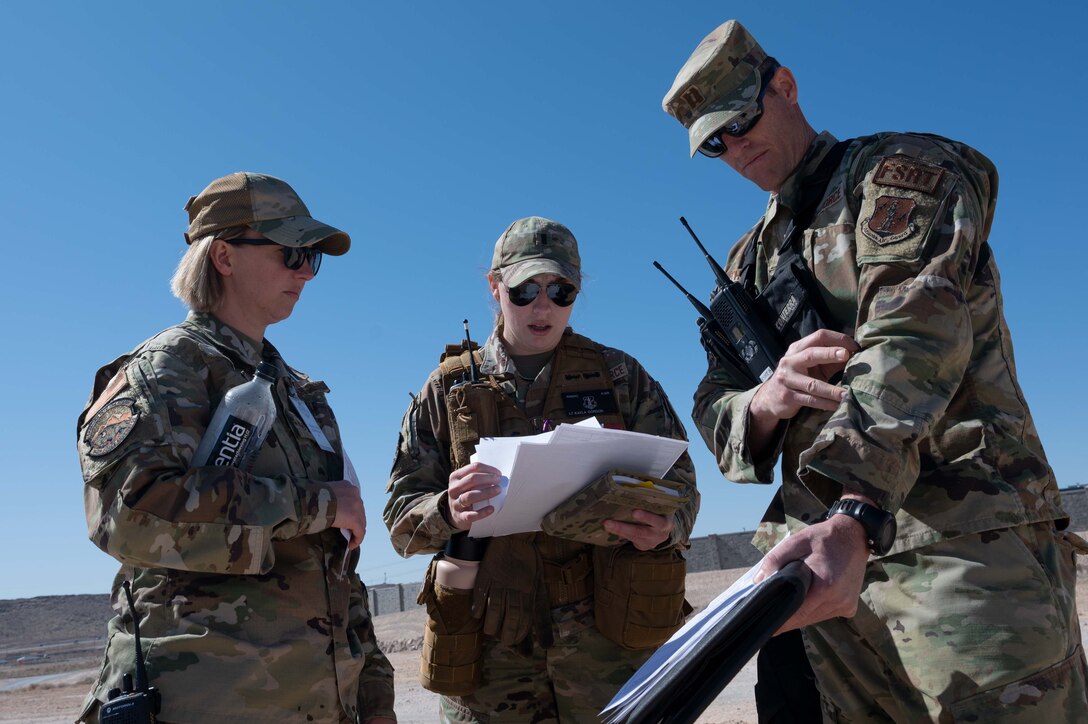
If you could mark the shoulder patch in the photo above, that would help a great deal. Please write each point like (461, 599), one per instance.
(909, 173)
(890, 220)
(110, 426)
(618, 372)
(115, 386)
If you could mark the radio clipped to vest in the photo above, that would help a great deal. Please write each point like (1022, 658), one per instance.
(749, 329)
(452, 638)
(731, 329)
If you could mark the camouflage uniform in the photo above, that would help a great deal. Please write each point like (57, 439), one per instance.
(248, 609)
(972, 612)
(574, 678)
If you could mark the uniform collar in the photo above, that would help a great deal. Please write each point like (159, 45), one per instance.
(496, 360)
(227, 338)
(790, 194)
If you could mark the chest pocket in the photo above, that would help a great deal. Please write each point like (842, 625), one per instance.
(830, 255)
(314, 441)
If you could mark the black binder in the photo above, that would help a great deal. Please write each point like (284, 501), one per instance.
(681, 694)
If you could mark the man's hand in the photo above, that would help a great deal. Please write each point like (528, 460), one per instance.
(350, 514)
(799, 380)
(801, 377)
(836, 551)
(469, 485)
(650, 531)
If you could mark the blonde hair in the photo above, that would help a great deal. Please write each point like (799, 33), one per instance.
(196, 281)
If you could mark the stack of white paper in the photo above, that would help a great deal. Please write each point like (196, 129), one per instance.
(681, 646)
(677, 649)
(541, 471)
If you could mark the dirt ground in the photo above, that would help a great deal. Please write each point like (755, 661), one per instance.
(57, 697)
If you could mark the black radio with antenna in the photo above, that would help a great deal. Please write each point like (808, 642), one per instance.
(130, 704)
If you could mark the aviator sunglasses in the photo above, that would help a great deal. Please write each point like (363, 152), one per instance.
(745, 120)
(561, 293)
(293, 256)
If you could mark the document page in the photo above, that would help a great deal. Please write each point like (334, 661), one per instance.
(541, 472)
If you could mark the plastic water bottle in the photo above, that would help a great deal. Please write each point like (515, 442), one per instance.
(240, 423)
(461, 562)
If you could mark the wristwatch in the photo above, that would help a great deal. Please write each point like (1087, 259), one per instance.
(879, 525)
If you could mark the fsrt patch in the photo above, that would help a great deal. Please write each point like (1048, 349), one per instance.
(908, 173)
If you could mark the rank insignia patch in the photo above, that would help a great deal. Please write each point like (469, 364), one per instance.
(908, 173)
(110, 426)
(890, 221)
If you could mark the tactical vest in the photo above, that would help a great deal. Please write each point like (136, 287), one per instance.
(580, 386)
(790, 302)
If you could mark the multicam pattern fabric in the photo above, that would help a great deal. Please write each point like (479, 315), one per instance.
(570, 682)
(934, 428)
(245, 607)
(535, 245)
(981, 628)
(265, 203)
(517, 670)
(415, 513)
(717, 83)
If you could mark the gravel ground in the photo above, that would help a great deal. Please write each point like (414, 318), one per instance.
(57, 697)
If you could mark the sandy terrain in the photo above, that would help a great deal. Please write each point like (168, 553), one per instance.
(51, 689)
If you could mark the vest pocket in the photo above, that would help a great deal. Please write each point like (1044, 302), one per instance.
(638, 595)
(450, 661)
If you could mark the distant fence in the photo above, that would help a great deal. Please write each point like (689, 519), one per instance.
(708, 553)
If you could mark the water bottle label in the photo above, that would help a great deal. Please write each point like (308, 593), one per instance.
(230, 447)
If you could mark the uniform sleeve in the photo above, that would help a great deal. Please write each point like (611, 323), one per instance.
(653, 414)
(376, 695)
(146, 507)
(917, 249)
(417, 512)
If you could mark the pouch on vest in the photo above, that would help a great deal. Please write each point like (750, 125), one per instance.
(639, 595)
(450, 662)
(613, 496)
(791, 303)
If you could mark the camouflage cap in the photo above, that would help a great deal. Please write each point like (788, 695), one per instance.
(263, 203)
(535, 245)
(719, 81)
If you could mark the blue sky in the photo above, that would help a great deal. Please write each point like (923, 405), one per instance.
(423, 129)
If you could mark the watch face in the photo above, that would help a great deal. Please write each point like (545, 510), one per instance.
(880, 526)
(885, 536)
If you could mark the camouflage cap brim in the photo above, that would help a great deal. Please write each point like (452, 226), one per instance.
(523, 271)
(722, 112)
(304, 231)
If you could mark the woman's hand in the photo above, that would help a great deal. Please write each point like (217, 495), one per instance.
(649, 532)
(470, 485)
(350, 513)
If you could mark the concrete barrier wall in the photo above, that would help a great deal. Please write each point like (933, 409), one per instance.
(708, 553)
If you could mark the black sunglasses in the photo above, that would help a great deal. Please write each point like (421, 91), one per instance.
(746, 119)
(293, 256)
(561, 293)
